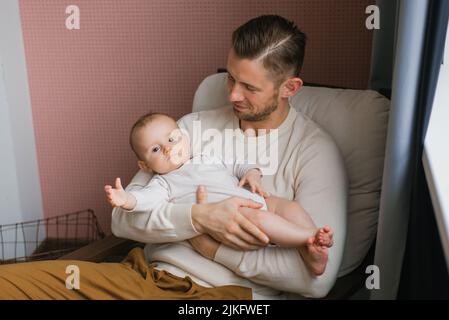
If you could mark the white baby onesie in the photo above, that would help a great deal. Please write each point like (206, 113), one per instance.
(180, 185)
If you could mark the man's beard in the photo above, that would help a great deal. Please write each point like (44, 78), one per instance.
(260, 116)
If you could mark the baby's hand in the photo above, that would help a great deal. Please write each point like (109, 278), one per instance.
(253, 178)
(116, 197)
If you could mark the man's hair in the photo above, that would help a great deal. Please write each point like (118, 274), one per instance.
(140, 123)
(275, 40)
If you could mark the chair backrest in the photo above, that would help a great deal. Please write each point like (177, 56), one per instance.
(357, 120)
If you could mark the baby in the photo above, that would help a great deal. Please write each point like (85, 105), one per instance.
(162, 148)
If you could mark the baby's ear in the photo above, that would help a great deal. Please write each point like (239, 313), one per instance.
(142, 165)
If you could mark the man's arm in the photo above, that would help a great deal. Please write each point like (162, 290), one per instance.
(322, 191)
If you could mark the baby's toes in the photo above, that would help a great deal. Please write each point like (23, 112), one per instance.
(330, 236)
(328, 231)
(319, 241)
(328, 242)
(331, 242)
(321, 233)
(322, 242)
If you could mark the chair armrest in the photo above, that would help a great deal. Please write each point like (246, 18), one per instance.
(345, 287)
(108, 248)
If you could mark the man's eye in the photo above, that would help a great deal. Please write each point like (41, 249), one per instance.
(250, 88)
(230, 78)
(155, 149)
(171, 139)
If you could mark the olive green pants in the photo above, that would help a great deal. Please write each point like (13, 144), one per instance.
(133, 278)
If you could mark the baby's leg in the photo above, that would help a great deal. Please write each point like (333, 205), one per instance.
(295, 213)
(290, 210)
(279, 230)
(315, 250)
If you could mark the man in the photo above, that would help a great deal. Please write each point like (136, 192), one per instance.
(213, 244)
(263, 72)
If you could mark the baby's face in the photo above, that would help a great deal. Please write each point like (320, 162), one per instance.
(163, 147)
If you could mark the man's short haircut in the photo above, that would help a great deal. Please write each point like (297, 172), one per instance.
(140, 123)
(275, 40)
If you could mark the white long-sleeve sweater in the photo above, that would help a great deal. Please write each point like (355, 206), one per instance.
(308, 168)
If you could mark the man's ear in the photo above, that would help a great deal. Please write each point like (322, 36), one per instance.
(290, 87)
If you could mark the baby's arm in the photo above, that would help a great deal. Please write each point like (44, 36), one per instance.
(154, 219)
(154, 194)
(253, 178)
(250, 175)
(118, 197)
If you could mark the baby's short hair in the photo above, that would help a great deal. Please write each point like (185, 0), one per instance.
(141, 123)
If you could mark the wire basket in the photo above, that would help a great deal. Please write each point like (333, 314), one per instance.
(47, 239)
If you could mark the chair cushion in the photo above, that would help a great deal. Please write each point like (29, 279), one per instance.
(357, 120)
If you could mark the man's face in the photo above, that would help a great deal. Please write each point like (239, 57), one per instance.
(252, 93)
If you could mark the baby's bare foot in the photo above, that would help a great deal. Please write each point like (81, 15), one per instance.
(325, 237)
(315, 256)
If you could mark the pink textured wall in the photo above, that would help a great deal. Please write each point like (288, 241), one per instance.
(88, 86)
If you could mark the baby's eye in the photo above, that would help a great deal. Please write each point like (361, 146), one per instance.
(174, 139)
(156, 149)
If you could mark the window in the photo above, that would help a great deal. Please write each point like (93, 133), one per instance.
(436, 152)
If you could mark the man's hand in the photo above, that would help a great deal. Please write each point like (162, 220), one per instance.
(223, 222)
(118, 197)
(253, 178)
(204, 244)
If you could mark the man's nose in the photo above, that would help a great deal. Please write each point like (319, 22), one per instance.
(235, 94)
